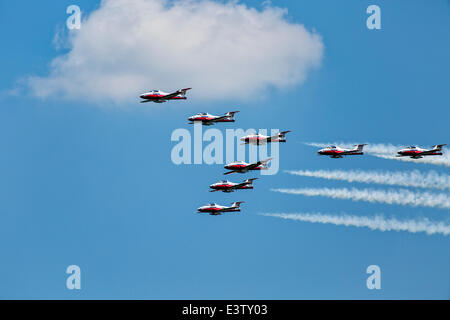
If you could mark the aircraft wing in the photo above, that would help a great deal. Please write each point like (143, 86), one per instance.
(203, 122)
(236, 186)
(413, 156)
(256, 164)
(170, 95)
(349, 152)
(208, 122)
(230, 172)
(428, 152)
(227, 209)
(253, 165)
(217, 119)
(225, 116)
(174, 94)
(257, 142)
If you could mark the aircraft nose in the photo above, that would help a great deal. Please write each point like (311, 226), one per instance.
(142, 96)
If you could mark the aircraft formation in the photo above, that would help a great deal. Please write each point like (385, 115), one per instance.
(206, 119)
(226, 186)
(413, 152)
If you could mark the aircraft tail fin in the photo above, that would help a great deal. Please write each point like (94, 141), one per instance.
(237, 204)
(250, 181)
(231, 114)
(183, 91)
(283, 133)
(359, 147)
(264, 162)
(282, 136)
(439, 146)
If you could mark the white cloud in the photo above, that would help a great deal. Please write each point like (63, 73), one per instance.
(413, 178)
(374, 223)
(220, 49)
(401, 196)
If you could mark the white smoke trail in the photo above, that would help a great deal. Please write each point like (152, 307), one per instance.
(374, 223)
(389, 151)
(394, 178)
(401, 196)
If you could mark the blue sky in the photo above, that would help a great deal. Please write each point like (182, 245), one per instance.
(95, 186)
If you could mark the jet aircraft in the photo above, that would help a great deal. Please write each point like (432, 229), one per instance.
(417, 153)
(207, 119)
(243, 167)
(337, 152)
(159, 96)
(258, 139)
(227, 186)
(214, 209)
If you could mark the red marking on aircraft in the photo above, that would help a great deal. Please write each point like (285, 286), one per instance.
(243, 167)
(227, 186)
(417, 153)
(159, 96)
(214, 209)
(207, 119)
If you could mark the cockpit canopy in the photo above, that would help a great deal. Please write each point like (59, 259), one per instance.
(211, 204)
(331, 147)
(412, 147)
(223, 181)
